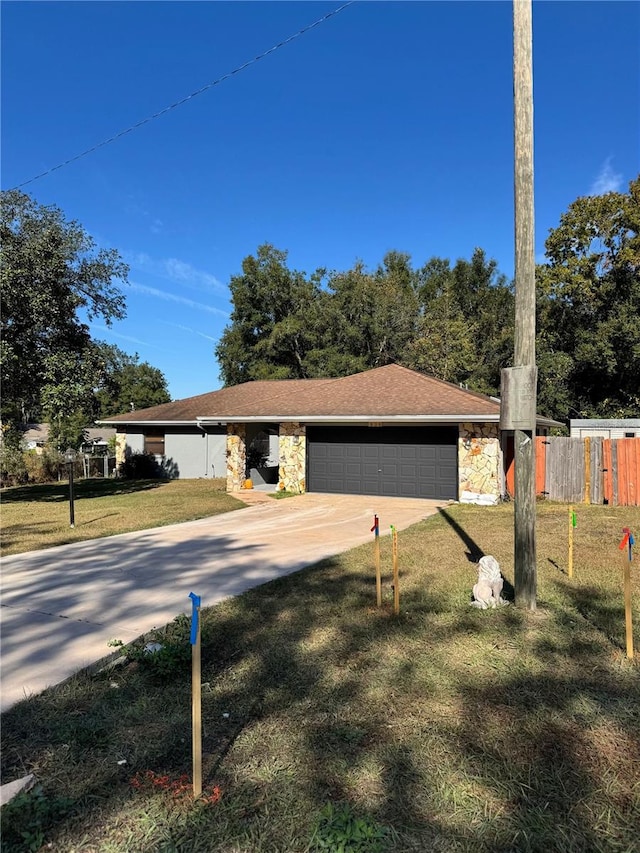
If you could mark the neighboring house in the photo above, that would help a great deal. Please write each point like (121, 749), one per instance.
(35, 436)
(387, 431)
(605, 428)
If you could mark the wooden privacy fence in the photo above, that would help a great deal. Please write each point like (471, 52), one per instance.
(585, 470)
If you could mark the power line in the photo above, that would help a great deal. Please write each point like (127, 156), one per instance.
(188, 97)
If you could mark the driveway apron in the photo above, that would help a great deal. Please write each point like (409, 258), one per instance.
(61, 606)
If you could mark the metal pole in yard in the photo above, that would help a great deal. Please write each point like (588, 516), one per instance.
(70, 458)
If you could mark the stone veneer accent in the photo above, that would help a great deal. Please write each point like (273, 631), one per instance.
(293, 457)
(479, 459)
(236, 457)
(121, 446)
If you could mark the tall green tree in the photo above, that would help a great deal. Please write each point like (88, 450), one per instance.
(272, 325)
(589, 309)
(377, 311)
(127, 382)
(465, 332)
(453, 322)
(50, 271)
(443, 345)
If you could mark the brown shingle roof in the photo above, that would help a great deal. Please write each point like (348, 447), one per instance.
(40, 433)
(382, 392)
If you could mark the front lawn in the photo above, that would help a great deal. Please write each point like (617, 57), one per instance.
(35, 517)
(446, 729)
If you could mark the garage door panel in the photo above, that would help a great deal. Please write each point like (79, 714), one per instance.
(426, 453)
(392, 461)
(427, 470)
(389, 469)
(386, 451)
(407, 471)
(409, 454)
(335, 468)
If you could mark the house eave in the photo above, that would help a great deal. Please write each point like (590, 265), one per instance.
(352, 419)
(328, 419)
(116, 424)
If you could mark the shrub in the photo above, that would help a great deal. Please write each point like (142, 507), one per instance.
(140, 466)
(12, 468)
(44, 467)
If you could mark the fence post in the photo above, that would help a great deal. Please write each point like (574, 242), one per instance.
(587, 470)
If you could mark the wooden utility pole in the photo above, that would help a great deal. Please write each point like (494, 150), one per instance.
(525, 301)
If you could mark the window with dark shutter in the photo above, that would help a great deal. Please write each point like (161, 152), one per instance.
(154, 443)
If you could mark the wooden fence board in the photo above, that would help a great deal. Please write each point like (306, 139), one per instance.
(614, 471)
(565, 469)
(607, 472)
(623, 490)
(541, 462)
(596, 470)
(628, 471)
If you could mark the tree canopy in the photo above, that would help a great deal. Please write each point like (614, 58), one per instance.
(50, 270)
(589, 309)
(53, 278)
(455, 320)
(127, 382)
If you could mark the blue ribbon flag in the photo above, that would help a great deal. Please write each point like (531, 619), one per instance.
(195, 610)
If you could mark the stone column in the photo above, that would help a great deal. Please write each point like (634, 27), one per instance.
(236, 456)
(121, 446)
(479, 459)
(293, 457)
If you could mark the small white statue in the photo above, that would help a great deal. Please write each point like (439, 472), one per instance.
(488, 591)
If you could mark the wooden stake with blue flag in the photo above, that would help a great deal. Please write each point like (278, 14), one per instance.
(196, 696)
(376, 553)
(626, 545)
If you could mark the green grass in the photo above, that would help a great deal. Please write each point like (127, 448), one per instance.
(283, 494)
(35, 517)
(446, 729)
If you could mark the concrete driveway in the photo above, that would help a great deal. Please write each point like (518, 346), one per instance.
(61, 606)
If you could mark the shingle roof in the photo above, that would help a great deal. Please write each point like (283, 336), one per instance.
(382, 392)
(40, 433)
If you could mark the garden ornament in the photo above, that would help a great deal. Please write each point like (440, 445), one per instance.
(488, 591)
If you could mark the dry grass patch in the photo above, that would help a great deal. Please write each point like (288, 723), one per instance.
(449, 728)
(36, 517)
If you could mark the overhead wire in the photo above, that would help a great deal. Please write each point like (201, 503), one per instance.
(184, 100)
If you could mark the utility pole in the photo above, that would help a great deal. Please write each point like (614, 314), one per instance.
(521, 383)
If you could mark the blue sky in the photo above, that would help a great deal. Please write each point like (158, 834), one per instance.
(389, 126)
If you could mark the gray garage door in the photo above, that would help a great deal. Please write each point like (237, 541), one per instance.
(412, 462)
